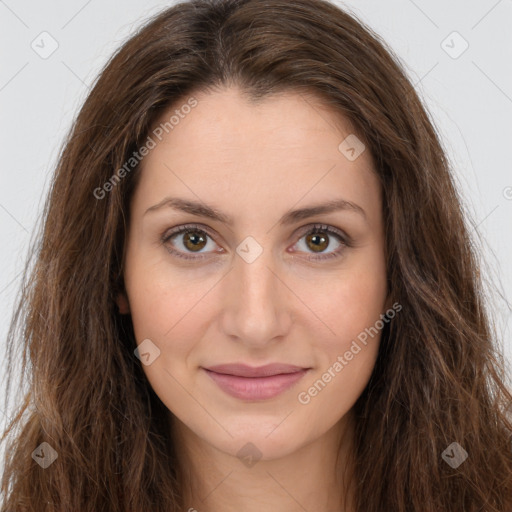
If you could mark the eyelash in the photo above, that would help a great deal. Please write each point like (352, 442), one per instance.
(316, 228)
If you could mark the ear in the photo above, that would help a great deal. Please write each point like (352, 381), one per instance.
(123, 304)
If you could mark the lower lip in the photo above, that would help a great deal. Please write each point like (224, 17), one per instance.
(255, 388)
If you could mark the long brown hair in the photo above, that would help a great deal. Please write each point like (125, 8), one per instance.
(439, 378)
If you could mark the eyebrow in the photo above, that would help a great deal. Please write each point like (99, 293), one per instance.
(203, 210)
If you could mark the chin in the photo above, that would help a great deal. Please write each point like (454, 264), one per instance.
(260, 438)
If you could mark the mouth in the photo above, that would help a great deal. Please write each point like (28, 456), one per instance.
(250, 383)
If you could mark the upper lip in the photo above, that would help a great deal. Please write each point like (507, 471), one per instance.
(242, 370)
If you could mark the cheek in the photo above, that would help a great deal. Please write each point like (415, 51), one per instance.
(158, 295)
(347, 352)
(347, 357)
(159, 313)
(160, 307)
(351, 303)
(332, 391)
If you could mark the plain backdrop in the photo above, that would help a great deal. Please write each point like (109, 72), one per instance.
(458, 55)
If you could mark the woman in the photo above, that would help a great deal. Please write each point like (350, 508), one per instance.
(255, 288)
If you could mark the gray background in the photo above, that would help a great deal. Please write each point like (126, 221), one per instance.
(469, 96)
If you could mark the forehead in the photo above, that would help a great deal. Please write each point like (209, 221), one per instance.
(278, 150)
(226, 119)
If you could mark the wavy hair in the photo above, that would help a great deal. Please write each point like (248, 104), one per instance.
(439, 376)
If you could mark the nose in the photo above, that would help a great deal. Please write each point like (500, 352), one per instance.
(256, 306)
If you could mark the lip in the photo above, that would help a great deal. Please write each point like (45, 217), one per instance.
(255, 383)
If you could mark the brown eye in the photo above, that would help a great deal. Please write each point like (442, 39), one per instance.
(318, 241)
(321, 238)
(186, 240)
(193, 240)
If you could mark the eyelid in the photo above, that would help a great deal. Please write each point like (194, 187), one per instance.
(187, 227)
(328, 228)
(345, 240)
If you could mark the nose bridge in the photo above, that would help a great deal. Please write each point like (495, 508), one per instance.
(252, 264)
(257, 282)
(255, 311)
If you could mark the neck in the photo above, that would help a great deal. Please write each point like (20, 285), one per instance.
(312, 477)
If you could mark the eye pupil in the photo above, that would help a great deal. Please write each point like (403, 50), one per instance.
(195, 239)
(320, 242)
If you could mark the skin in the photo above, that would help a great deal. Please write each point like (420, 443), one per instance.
(255, 163)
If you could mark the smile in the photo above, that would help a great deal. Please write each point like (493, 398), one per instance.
(256, 388)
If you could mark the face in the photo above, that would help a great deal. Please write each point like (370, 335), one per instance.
(251, 283)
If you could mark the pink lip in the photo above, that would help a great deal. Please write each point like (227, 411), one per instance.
(248, 383)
